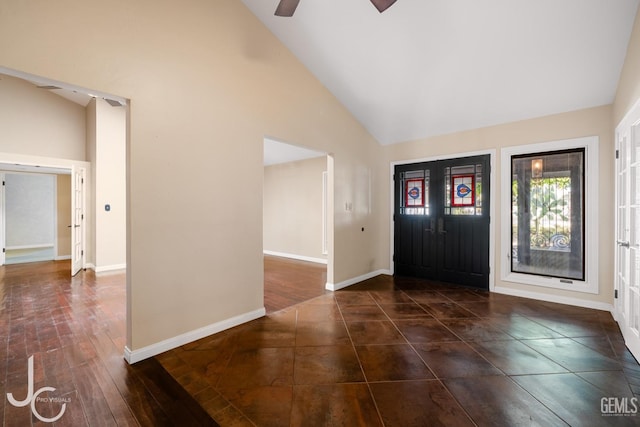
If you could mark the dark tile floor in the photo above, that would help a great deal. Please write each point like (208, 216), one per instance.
(413, 353)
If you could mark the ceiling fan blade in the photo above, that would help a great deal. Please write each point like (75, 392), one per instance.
(287, 7)
(382, 5)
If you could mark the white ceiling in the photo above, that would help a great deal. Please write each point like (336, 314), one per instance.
(276, 152)
(430, 67)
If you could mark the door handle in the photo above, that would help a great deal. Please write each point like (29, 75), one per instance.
(432, 227)
(623, 244)
(441, 229)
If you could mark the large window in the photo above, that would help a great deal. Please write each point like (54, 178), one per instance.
(549, 214)
(547, 210)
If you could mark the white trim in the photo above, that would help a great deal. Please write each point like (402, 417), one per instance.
(134, 356)
(596, 305)
(106, 268)
(492, 202)
(62, 258)
(55, 216)
(336, 287)
(42, 162)
(325, 204)
(42, 81)
(42, 246)
(590, 145)
(294, 256)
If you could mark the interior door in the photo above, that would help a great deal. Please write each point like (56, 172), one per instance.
(627, 286)
(77, 219)
(442, 220)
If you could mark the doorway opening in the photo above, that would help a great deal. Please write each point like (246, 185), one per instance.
(70, 127)
(441, 224)
(297, 225)
(37, 204)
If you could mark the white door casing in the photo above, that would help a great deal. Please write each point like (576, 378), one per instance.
(2, 219)
(77, 219)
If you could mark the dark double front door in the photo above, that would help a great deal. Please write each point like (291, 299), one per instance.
(442, 220)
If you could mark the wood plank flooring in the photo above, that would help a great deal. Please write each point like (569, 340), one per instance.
(288, 282)
(74, 329)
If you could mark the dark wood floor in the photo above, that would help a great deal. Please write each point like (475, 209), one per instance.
(386, 352)
(288, 282)
(75, 330)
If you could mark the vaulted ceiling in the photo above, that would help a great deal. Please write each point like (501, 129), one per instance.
(430, 67)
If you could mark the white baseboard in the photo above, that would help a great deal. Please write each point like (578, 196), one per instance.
(294, 256)
(106, 268)
(62, 258)
(337, 286)
(554, 298)
(133, 356)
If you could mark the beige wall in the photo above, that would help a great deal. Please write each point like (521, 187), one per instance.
(292, 208)
(63, 203)
(628, 92)
(106, 150)
(590, 122)
(109, 173)
(37, 122)
(207, 82)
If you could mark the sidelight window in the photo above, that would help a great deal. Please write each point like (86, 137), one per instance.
(549, 222)
(547, 210)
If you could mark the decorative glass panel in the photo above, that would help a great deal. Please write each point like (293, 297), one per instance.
(414, 192)
(463, 190)
(415, 188)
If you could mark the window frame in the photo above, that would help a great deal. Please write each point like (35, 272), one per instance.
(591, 174)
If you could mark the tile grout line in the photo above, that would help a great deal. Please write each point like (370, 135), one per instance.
(364, 375)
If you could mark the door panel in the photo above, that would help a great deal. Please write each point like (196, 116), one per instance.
(627, 286)
(416, 256)
(441, 227)
(466, 248)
